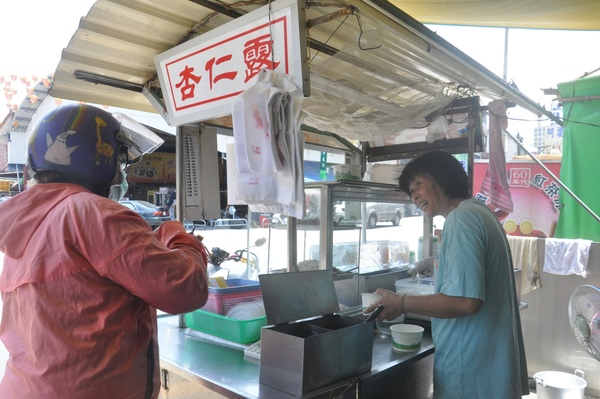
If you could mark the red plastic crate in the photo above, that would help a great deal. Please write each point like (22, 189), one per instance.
(221, 303)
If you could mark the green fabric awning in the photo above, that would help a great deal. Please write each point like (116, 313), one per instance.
(580, 169)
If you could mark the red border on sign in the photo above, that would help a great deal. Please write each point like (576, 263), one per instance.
(282, 19)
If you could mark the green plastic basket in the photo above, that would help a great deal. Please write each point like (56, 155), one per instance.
(240, 331)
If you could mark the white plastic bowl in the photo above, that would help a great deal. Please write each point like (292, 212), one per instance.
(385, 325)
(247, 310)
(406, 337)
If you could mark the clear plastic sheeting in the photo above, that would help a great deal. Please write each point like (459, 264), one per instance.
(444, 127)
(391, 95)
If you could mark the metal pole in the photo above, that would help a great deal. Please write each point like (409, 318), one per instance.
(561, 184)
(505, 72)
(179, 189)
(269, 248)
(18, 178)
(248, 260)
(292, 243)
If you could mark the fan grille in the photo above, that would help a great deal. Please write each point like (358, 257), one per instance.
(584, 317)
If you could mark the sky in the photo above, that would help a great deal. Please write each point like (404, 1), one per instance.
(536, 60)
(33, 34)
(32, 37)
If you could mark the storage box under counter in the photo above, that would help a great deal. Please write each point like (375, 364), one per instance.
(307, 345)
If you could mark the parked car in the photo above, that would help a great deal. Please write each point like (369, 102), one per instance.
(278, 218)
(153, 214)
(383, 212)
(412, 210)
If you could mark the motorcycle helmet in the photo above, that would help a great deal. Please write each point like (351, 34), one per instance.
(87, 142)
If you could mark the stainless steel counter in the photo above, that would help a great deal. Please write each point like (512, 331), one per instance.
(221, 366)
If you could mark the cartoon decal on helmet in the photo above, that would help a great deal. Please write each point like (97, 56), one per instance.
(57, 151)
(102, 148)
(85, 142)
(79, 140)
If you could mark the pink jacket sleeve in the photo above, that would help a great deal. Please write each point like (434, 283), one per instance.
(165, 268)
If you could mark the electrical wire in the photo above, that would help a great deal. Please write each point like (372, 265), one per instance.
(460, 92)
(356, 13)
(544, 120)
(330, 36)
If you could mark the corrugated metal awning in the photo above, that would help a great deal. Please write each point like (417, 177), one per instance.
(370, 63)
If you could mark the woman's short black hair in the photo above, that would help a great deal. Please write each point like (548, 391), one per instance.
(444, 168)
(53, 176)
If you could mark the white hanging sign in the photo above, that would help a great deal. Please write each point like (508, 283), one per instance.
(201, 77)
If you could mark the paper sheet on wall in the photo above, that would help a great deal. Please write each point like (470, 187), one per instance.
(191, 150)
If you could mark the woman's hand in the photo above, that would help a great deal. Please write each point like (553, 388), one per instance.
(391, 305)
(423, 268)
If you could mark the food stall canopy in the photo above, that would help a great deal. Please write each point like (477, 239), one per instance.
(535, 14)
(374, 70)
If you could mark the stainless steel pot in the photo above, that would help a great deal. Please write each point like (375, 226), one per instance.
(559, 385)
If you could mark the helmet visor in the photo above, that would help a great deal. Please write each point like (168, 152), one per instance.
(137, 137)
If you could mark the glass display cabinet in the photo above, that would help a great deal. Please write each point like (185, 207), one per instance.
(366, 233)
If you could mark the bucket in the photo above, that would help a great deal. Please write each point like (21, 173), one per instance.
(559, 385)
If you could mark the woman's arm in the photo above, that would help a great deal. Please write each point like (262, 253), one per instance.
(436, 305)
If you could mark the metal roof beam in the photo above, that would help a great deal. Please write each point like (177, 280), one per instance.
(417, 34)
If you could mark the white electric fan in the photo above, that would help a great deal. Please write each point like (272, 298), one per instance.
(584, 317)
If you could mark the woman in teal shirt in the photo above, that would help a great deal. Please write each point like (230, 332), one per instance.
(475, 323)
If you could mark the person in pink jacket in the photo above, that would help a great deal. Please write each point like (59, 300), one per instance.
(83, 275)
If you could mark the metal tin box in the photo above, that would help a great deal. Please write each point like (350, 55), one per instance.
(307, 346)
